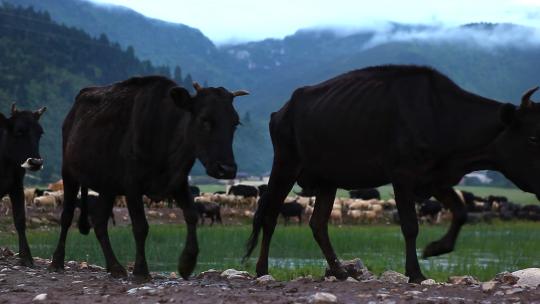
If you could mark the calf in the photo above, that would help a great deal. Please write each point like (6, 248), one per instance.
(141, 137)
(292, 209)
(430, 209)
(243, 190)
(210, 210)
(19, 150)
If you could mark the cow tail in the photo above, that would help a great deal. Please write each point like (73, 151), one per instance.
(258, 220)
(84, 224)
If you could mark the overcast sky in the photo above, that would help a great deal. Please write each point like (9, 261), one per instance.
(242, 20)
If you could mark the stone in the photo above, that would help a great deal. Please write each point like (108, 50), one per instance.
(391, 276)
(40, 297)
(488, 286)
(351, 279)
(322, 297)
(265, 279)
(83, 265)
(506, 278)
(513, 291)
(173, 275)
(463, 280)
(233, 273)
(428, 282)
(355, 268)
(330, 279)
(529, 277)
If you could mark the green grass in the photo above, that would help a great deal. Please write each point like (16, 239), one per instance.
(482, 250)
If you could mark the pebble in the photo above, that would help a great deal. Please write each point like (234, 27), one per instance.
(529, 277)
(265, 279)
(393, 277)
(233, 272)
(330, 279)
(351, 279)
(322, 297)
(488, 286)
(40, 297)
(465, 280)
(428, 282)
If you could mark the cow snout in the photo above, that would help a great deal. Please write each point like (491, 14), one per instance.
(33, 164)
(225, 171)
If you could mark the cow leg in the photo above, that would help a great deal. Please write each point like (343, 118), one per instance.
(100, 218)
(459, 216)
(281, 182)
(300, 220)
(19, 219)
(71, 189)
(140, 232)
(409, 228)
(188, 257)
(319, 226)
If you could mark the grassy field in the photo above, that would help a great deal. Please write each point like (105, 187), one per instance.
(482, 251)
(514, 195)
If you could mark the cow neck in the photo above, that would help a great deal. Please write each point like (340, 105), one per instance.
(483, 133)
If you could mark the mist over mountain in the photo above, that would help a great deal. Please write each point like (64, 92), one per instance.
(498, 61)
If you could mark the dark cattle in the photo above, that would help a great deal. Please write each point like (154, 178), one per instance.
(412, 127)
(292, 209)
(195, 191)
(262, 189)
(243, 190)
(430, 209)
(210, 210)
(469, 199)
(365, 194)
(529, 212)
(141, 137)
(508, 210)
(19, 150)
(220, 192)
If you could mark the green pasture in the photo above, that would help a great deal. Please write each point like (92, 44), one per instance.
(482, 251)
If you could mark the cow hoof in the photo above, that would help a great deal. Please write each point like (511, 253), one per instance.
(141, 278)
(117, 271)
(340, 273)
(26, 262)
(55, 267)
(417, 279)
(187, 264)
(436, 248)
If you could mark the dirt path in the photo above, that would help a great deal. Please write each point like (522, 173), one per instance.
(81, 283)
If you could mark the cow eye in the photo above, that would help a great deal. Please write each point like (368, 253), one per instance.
(534, 140)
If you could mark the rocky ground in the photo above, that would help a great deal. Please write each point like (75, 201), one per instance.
(82, 283)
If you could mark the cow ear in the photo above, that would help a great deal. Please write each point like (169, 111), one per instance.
(507, 113)
(181, 98)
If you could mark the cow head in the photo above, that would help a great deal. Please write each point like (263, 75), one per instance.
(20, 138)
(518, 147)
(212, 126)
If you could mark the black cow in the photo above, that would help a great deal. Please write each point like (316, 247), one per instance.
(210, 210)
(262, 189)
(430, 209)
(141, 137)
(292, 209)
(195, 191)
(19, 150)
(365, 194)
(413, 127)
(244, 190)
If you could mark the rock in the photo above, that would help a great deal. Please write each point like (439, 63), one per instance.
(412, 292)
(391, 276)
(83, 265)
(351, 279)
(355, 268)
(506, 278)
(233, 272)
(237, 276)
(6, 252)
(265, 279)
(513, 291)
(40, 297)
(306, 279)
(35, 220)
(148, 289)
(322, 297)
(330, 279)
(529, 277)
(428, 282)
(488, 286)
(173, 275)
(463, 280)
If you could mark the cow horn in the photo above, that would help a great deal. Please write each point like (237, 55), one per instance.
(240, 93)
(197, 86)
(526, 101)
(13, 108)
(40, 111)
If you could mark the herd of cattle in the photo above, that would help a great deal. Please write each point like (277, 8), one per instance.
(135, 142)
(364, 206)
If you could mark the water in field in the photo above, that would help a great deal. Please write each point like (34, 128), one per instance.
(482, 250)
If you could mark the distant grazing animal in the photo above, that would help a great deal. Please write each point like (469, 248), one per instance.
(262, 189)
(412, 127)
(244, 190)
(529, 212)
(430, 209)
(292, 209)
(210, 210)
(141, 137)
(195, 191)
(19, 150)
(365, 194)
